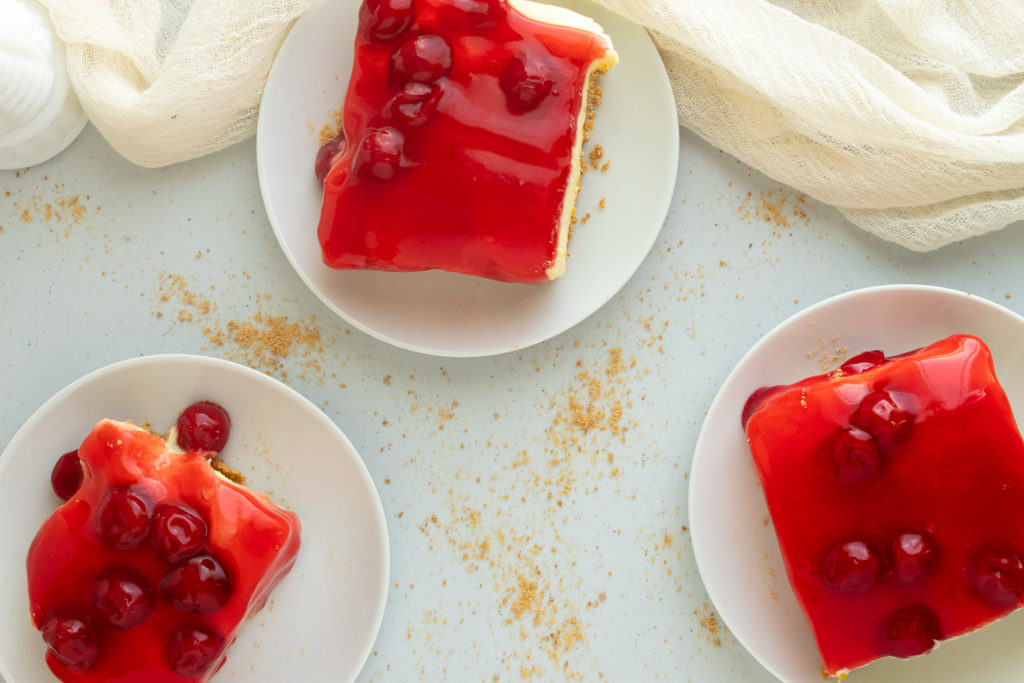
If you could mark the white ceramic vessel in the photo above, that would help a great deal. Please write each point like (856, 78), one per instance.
(39, 112)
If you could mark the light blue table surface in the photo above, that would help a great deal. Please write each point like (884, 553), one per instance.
(562, 465)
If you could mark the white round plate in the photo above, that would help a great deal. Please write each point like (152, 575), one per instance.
(328, 609)
(733, 540)
(457, 315)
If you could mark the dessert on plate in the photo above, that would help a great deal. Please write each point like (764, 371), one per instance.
(461, 138)
(896, 489)
(152, 565)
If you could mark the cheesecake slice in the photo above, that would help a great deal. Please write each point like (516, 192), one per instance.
(462, 138)
(155, 562)
(896, 489)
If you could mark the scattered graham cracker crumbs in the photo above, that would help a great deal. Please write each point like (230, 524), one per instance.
(781, 209)
(710, 625)
(232, 474)
(329, 131)
(266, 342)
(537, 597)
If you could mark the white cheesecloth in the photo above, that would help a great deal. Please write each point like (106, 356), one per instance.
(908, 115)
(170, 80)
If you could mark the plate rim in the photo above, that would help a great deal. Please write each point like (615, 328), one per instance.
(261, 164)
(700, 551)
(378, 516)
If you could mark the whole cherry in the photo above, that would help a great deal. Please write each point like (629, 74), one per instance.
(71, 637)
(414, 103)
(380, 154)
(880, 415)
(912, 555)
(997, 575)
(193, 651)
(912, 630)
(204, 426)
(862, 362)
(855, 457)
(327, 156)
(178, 532)
(424, 59)
(125, 599)
(851, 567)
(526, 81)
(385, 19)
(199, 585)
(122, 519)
(67, 474)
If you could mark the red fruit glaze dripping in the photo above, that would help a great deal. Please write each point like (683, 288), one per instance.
(254, 540)
(477, 183)
(939, 509)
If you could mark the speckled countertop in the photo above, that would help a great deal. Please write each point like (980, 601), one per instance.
(536, 501)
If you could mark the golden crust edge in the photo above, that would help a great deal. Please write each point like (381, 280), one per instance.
(591, 87)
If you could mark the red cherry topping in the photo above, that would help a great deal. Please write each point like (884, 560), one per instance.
(423, 58)
(66, 477)
(122, 520)
(912, 631)
(855, 457)
(327, 156)
(755, 401)
(851, 567)
(193, 651)
(413, 104)
(203, 426)
(912, 556)
(997, 574)
(880, 415)
(178, 532)
(124, 599)
(472, 14)
(526, 80)
(200, 585)
(71, 637)
(379, 155)
(862, 362)
(385, 19)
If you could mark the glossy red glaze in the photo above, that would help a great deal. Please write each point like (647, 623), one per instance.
(254, 540)
(480, 181)
(944, 517)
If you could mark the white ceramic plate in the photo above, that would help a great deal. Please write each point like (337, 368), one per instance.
(457, 315)
(328, 609)
(734, 543)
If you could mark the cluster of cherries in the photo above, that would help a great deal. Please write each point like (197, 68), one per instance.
(995, 574)
(125, 520)
(417, 68)
(879, 424)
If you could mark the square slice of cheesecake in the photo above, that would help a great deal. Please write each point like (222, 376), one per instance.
(154, 564)
(896, 490)
(463, 130)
